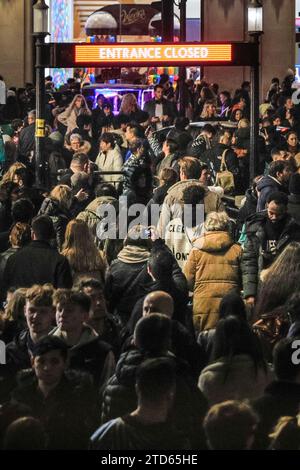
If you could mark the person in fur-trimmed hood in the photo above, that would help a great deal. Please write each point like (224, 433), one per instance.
(212, 270)
(190, 172)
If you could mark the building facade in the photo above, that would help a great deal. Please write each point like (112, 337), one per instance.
(222, 20)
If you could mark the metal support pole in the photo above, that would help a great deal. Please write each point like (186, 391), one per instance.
(167, 15)
(40, 173)
(254, 130)
(182, 70)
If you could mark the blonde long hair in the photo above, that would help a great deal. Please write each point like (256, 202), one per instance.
(62, 194)
(10, 174)
(80, 249)
(85, 109)
(129, 104)
(207, 104)
(280, 280)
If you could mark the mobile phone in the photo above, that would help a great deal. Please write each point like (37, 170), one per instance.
(147, 233)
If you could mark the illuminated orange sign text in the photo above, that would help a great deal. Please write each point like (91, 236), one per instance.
(153, 53)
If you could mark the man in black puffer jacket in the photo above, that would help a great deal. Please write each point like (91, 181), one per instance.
(151, 338)
(268, 233)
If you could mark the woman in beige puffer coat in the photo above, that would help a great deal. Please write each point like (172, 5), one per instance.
(212, 270)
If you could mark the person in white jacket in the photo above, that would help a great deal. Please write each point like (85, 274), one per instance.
(109, 158)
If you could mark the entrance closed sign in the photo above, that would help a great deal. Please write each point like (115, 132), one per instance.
(151, 54)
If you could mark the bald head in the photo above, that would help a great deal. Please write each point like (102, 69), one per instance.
(158, 301)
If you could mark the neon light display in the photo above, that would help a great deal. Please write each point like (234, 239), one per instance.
(60, 32)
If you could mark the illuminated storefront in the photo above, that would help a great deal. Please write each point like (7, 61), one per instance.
(86, 20)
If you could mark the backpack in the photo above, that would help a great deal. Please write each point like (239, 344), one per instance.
(224, 177)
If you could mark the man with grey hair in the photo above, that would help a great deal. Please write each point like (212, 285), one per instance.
(27, 138)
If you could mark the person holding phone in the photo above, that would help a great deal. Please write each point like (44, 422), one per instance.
(160, 110)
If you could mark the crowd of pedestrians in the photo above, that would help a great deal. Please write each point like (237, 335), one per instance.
(149, 294)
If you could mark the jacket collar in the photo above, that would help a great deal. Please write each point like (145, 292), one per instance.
(39, 244)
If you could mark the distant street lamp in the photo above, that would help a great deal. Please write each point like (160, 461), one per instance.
(40, 31)
(255, 30)
(255, 17)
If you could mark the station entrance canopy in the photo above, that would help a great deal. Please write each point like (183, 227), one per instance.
(153, 54)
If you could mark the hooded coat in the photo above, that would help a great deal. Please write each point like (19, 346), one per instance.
(90, 355)
(173, 203)
(266, 186)
(59, 216)
(212, 270)
(91, 215)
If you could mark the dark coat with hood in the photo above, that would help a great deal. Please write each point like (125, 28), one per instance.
(266, 186)
(91, 355)
(59, 216)
(255, 257)
(91, 215)
(135, 194)
(120, 398)
(132, 165)
(127, 279)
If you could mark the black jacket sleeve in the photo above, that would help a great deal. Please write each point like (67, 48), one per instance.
(63, 275)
